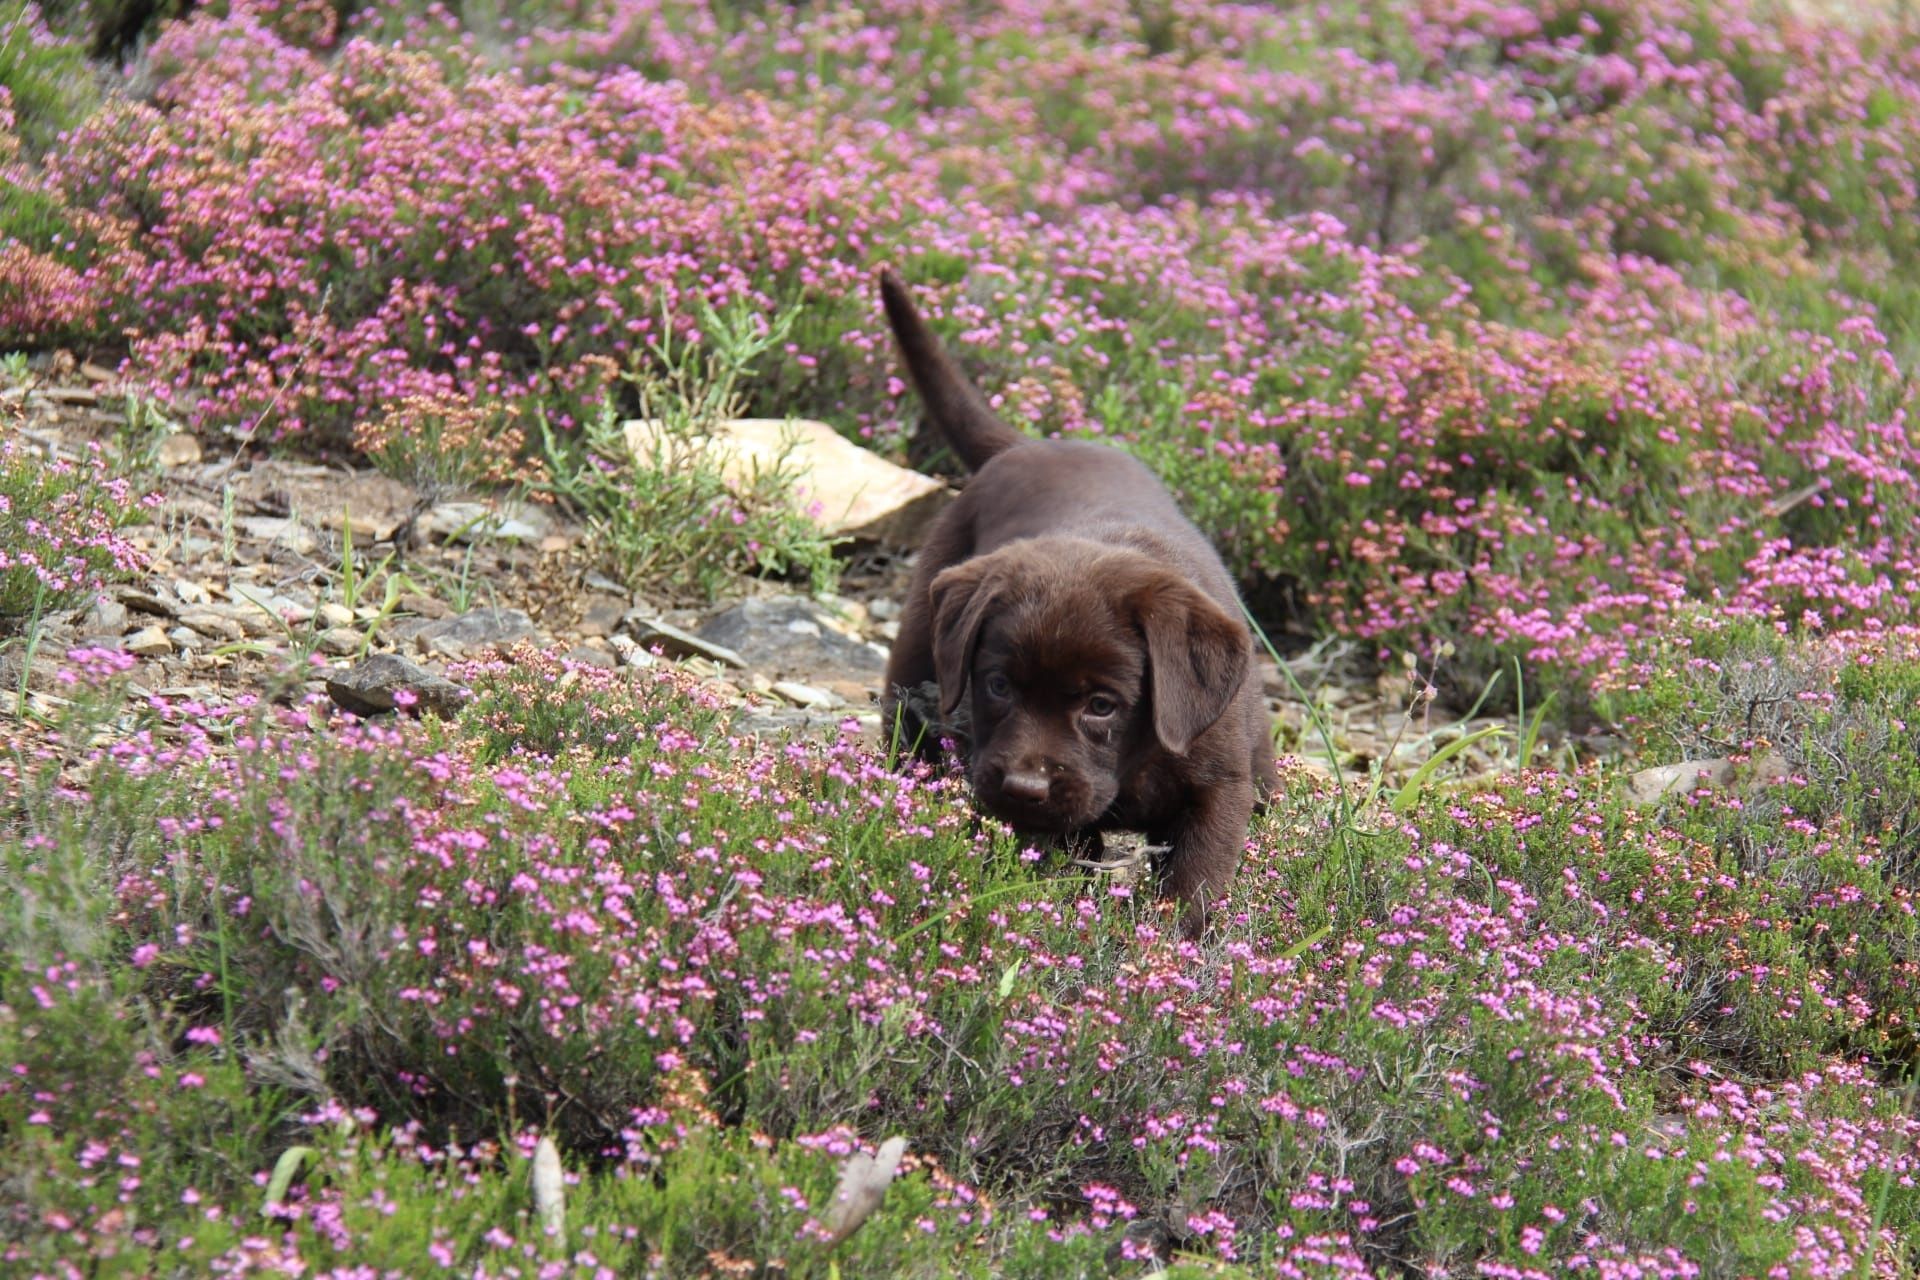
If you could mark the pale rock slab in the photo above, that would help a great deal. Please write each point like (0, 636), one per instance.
(860, 494)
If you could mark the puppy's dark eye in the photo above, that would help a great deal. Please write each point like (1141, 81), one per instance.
(1101, 706)
(998, 686)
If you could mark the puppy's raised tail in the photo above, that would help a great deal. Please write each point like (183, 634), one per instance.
(955, 404)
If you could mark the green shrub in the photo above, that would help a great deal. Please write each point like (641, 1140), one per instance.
(1797, 879)
(46, 85)
(60, 529)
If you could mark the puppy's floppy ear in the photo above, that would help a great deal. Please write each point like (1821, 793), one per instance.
(960, 598)
(1198, 657)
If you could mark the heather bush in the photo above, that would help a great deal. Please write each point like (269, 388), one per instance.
(709, 967)
(506, 265)
(46, 84)
(120, 1113)
(1802, 876)
(1501, 329)
(1555, 499)
(60, 522)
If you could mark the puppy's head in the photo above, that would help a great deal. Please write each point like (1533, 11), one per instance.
(1082, 660)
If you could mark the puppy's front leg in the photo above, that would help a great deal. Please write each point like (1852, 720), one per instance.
(1208, 841)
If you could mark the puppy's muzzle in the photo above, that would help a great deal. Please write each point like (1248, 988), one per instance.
(1027, 786)
(1034, 795)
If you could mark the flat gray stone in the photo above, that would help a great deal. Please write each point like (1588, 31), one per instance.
(1650, 786)
(674, 643)
(159, 601)
(368, 687)
(269, 606)
(341, 642)
(477, 521)
(601, 615)
(280, 531)
(791, 635)
(477, 628)
(106, 617)
(424, 606)
(213, 623)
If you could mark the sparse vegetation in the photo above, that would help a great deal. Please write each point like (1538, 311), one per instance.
(671, 511)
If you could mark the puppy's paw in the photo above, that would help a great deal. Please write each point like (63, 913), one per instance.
(1195, 916)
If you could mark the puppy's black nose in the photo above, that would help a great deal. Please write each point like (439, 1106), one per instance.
(1027, 786)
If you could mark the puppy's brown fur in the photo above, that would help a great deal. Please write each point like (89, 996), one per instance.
(1096, 633)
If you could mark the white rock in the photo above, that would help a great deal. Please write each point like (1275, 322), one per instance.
(549, 1188)
(1649, 786)
(863, 1184)
(149, 642)
(860, 494)
(628, 650)
(474, 521)
(805, 695)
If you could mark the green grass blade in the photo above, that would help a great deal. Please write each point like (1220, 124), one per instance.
(1409, 795)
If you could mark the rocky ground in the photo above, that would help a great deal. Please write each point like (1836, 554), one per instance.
(252, 588)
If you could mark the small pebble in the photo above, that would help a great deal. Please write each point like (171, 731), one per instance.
(149, 642)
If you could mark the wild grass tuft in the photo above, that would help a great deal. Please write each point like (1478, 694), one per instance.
(668, 515)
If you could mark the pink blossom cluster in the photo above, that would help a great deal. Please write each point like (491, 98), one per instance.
(61, 523)
(1513, 326)
(1475, 1062)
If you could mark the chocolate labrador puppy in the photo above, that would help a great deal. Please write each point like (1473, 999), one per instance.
(1098, 634)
